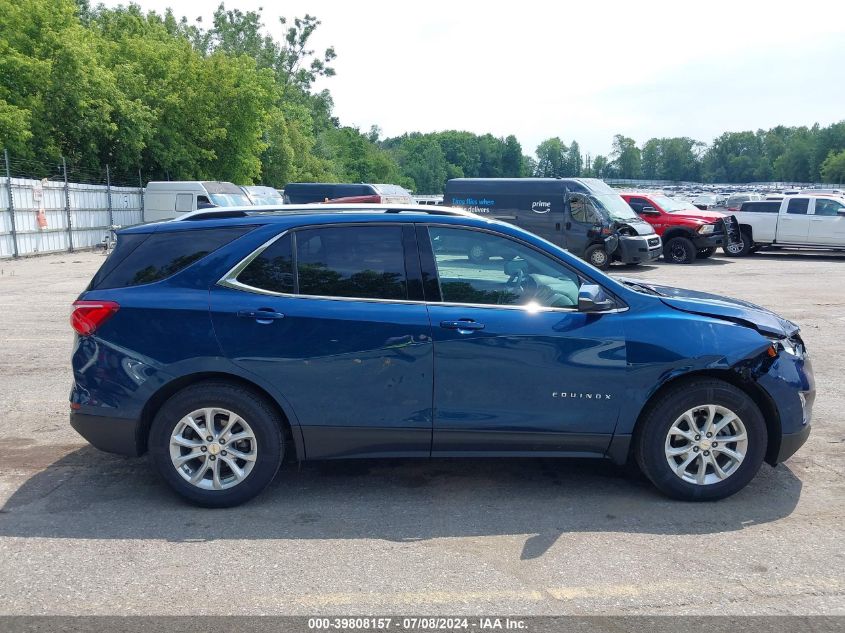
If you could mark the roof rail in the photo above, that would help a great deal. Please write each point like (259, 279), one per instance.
(322, 207)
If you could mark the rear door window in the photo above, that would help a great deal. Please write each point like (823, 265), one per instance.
(798, 206)
(272, 270)
(364, 262)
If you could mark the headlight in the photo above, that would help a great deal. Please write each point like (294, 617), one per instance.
(706, 229)
(788, 346)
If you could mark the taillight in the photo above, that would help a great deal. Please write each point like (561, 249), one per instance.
(87, 316)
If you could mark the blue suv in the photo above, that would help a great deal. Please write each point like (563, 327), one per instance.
(224, 341)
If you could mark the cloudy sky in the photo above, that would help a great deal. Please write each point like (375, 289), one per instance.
(578, 70)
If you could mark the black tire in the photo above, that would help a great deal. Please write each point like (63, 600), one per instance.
(741, 248)
(478, 254)
(651, 434)
(679, 250)
(262, 419)
(597, 256)
(704, 253)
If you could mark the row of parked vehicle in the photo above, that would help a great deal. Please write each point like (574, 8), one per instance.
(583, 215)
(165, 200)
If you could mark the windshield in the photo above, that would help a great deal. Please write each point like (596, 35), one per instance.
(670, 205)
(230, 200)
(259, 200)
(615, 207)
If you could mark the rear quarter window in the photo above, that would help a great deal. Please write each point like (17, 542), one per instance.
(146, 258)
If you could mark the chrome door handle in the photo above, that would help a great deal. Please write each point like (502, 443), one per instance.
(462, 325)
(262, 315)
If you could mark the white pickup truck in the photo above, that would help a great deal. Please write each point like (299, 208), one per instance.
(803, 220)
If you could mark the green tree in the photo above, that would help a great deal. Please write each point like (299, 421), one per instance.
(423, 161)
(600, 166)
(574, 162)
(833, 168)
(551, 158)
(627, 161)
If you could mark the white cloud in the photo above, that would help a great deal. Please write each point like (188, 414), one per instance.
(582, 71)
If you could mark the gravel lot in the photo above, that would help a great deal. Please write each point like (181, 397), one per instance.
(83, 532)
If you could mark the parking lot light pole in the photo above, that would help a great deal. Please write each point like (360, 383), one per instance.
(12, 228)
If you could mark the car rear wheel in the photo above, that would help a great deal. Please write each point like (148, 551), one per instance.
(741, 248)
(216, 444)
(679, 250)
(597, 256)
(703, 440)
(704, 253)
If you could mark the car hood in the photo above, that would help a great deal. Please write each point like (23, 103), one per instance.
(748, 314)
(707, 216)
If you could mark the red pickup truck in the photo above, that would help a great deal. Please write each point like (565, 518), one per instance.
(688, 232)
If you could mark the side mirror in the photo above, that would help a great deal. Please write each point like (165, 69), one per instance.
(841, 211)
(649, 211)
(592, 298)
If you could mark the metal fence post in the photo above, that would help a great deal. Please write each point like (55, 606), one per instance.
(11, 205)
(67, 208)
(141, 187)
(108, 195)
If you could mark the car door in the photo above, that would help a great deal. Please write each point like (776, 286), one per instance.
(333, 318)
(583, 223)
(827, 222)
(794, 223)
(518, 367)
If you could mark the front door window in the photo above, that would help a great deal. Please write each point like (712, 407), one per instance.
(512, 275)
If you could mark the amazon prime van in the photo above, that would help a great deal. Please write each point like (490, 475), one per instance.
(583, 215)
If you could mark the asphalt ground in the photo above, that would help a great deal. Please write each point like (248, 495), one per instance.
(84, 532)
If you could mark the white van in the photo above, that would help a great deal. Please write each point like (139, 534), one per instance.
(261, 195)
(164, 200)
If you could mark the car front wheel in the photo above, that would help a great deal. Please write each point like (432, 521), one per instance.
(216, 444)
(679, 250)
(597, 256)
(703, 440)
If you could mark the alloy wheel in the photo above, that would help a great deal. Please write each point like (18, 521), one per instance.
(679, 253)
(213, 448)
(706, 444)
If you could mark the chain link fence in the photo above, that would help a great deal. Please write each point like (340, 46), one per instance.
(48, 208)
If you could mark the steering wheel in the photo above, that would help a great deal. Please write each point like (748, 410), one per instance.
(520, 282)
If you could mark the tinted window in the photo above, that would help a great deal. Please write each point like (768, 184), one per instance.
(760, 207)
(827, 207)
(798, 206)
(161, 255)
(510, 273)
(637, 204)
(366, 262)
(273, 269)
